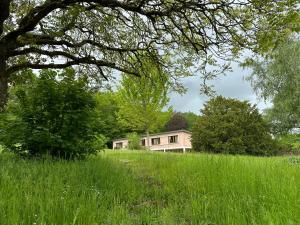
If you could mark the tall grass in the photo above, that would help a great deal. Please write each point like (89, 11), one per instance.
(216, 189)
(127, 187)
(96, 191)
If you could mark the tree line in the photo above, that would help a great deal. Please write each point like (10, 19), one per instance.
(153, 44)
(60, 113)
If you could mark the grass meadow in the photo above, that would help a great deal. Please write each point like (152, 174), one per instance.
(131, 187)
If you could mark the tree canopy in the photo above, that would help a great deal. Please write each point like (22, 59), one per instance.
(142, 99)
(176, 122)
(104, 35)
(277, 78)
(191, 119)
(232, 126)
(105, 117)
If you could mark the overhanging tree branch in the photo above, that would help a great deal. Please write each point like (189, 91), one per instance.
(75, 61)
(41, 41)
(115, 33)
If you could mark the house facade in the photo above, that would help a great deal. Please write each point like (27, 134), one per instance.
(166, 141)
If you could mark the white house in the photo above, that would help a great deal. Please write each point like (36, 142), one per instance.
(166, 141)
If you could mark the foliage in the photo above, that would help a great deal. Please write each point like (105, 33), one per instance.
(105, 117)
(2, 149)
(276, 78)
(274, 30)
(142, 99)
(50, 116)
(134, 141)
(177, 122)
(54, 34)
(191, 119)
(232, 126)
(100, 142)
(291, 140)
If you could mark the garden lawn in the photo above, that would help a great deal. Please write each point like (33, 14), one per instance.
(131, 187)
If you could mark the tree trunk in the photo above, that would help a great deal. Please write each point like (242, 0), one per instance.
(3, 86)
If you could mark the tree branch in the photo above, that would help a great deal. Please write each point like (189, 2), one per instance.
(4, 9)
(46, 40)
(32, 19)
(75, 61)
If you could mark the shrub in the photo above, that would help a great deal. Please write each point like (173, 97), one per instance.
(291, 143)
(134, 141)
(100, 142)
(232, 126)
(50, 116)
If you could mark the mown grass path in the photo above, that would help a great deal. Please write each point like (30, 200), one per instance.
(129, 187)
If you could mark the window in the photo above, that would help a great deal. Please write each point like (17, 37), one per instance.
(173, 139)
(155, 141)
(143, 142)
(119, 145)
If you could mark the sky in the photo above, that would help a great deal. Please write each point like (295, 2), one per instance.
(232, 85)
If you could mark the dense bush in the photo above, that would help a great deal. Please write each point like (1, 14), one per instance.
(134, 141)
(291, 142)
(232, 126)
(100, 142)
(53, 115)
